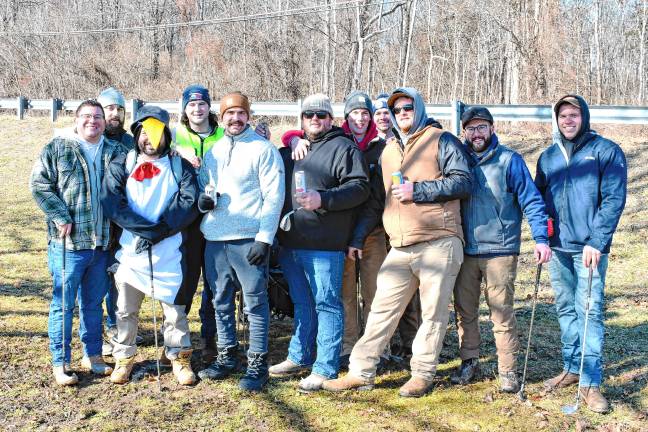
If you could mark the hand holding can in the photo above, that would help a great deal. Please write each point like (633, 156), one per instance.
(300, 182)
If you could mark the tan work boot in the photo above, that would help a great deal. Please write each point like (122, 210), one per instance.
(348, 382)
(416, 387)
(182, 368)
(594, 399)
(563, 379)
(96, 365)
(62, 378)
(123, 369)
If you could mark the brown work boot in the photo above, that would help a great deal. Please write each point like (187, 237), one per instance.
(416, 387)
(563, 379)
(594, 399)
(63, 377)
(182, 368)
(348, 382)
(96, 365)
(123, 369)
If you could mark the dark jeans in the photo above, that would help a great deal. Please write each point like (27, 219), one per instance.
(226, 264)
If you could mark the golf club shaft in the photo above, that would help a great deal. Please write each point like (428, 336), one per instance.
(63, 302)
(533, 309)
(359, 299)
(155, 336)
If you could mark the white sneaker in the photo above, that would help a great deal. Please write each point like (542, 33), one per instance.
(311, 383)
(96, 365)
(62, 378)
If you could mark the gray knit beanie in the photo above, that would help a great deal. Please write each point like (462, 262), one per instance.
(357, 100)
(317, 102)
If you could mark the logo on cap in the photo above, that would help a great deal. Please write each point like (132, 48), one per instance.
(195, 96)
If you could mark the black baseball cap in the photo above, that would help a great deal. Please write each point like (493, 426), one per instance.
(476, 112)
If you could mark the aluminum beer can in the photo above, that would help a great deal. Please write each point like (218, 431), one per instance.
(397, 178)
(300, 182)
(211, 191)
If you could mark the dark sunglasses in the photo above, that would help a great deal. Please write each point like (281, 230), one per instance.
(406, 108)
(320, 114)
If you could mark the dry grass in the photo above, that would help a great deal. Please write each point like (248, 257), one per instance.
(30, 401)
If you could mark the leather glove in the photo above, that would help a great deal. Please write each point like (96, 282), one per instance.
(258, 253)
(206, 203)
(142, 245)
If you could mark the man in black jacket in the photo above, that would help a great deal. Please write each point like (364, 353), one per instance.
(312, 250)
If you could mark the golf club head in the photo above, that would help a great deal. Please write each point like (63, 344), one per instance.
(521, 395)
(570, 409)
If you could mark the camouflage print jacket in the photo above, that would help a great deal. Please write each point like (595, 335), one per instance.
(60, 185)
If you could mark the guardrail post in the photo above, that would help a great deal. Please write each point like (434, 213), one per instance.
(21, 106)
(135, 105)
(299, 117)
(56, 105)
(554, 121)
(455, 116)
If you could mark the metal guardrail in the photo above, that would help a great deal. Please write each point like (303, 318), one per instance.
(451, 112)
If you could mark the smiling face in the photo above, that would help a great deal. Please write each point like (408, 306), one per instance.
(478, 133)
(314, 126)
(404, 112)
(147, 148)
(198, 113)
(382, 120)
(569, 120)
(358, 121)
(235, 120)
(90, 123)
(115, 115)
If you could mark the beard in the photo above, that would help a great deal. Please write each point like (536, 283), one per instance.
(114, 130)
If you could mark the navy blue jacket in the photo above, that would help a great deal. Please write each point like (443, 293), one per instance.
(492, 214)
(585, 192)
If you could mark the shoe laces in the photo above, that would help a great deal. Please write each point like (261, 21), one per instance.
(183, 361)
(123, 362)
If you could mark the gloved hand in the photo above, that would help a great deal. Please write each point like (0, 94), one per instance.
(142, 245)
(206, 203)
(258, 253)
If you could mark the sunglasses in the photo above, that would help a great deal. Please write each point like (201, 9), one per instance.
(406, 108)
(319, 114)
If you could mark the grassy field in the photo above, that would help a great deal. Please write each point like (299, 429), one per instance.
(29, 400)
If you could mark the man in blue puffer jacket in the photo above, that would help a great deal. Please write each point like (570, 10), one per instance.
(583, 179)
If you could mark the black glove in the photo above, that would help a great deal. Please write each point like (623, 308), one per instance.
(142, 245)
(258, 253)
(205, 203)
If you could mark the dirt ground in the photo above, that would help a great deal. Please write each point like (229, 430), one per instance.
(29, 400)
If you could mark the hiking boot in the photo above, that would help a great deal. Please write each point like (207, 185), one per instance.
(164, 360)
(227, 362)
(62, 378)
(123, 369)
(468, 371)
(311, 383)
(509, 382)
(209, 350)
(256, 375)
(594, 399)
(182, 368)
(348, 382)
(286, 368)
(96, 365)
(563, 379)
(416, 387)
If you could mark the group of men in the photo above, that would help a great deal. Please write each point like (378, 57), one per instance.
(422, 216)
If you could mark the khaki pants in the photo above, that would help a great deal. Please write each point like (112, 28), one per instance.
(373, 255)
(129, 303)
(499, 276)
(435, 264)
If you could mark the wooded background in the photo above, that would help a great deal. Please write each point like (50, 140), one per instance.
(479, 51)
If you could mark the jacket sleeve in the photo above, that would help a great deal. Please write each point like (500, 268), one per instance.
(614, 181)
(457, 180)
(351, 170)
(519, 182)
(370, 213)
(44, 188)
(272, 182)
(541, 177)
(289, 135)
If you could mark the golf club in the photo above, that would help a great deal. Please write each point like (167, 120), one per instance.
(359, 299)
(63, 303)
(155, 336)
(571, 409)
(521, 395)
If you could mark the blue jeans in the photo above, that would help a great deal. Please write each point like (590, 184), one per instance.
(206, 312)
(226, 265)
(85, 274)
(315, 283)
(569, 280)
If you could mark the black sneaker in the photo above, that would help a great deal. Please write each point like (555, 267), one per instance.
(227, 362)
(468, 370)
(256, 375)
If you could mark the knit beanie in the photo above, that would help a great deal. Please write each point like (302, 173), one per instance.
(357, 100)
(380, 103)
(317, 102)
(111, 96)
(195, 92)
(234, 100)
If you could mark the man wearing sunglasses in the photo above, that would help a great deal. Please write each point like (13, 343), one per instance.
(313, 249)
(492, 222)
(423, 221)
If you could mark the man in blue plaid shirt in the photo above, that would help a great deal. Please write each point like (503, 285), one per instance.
(66, 183)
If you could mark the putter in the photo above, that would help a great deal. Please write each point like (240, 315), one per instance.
(63, 304)
(571, 409)
(520, 394)
(359, 299)
(155, 336)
